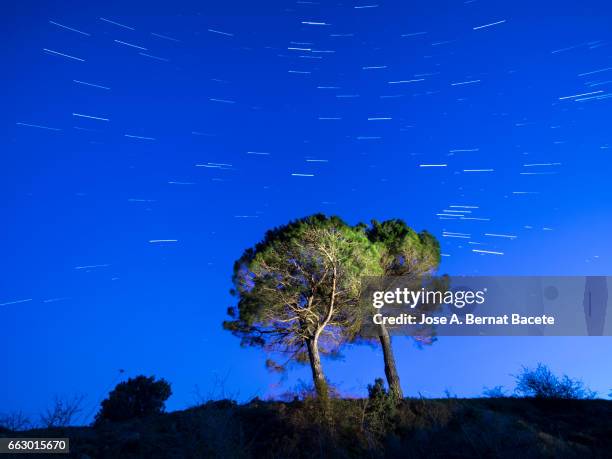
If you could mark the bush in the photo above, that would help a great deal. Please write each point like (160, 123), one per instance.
(542, 383)
(494, 392)
(62, 413)
(15, 422)
(380, 410)
(135, 398)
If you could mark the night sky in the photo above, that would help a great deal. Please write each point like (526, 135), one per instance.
(145, 145)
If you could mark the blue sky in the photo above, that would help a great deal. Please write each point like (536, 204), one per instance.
(135, 122)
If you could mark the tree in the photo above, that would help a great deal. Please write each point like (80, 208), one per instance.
(542, 383)
(298, 290)
(405, 253)
(137, 397)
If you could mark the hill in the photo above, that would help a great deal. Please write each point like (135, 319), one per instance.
(449, 428)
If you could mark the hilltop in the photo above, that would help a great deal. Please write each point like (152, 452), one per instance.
(455, 428)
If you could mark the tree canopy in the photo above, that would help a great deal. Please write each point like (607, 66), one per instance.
(137, 397)
(298, 289)
(404, 251)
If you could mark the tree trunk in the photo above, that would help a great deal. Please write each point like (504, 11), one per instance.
(317, 370)
(390, 370)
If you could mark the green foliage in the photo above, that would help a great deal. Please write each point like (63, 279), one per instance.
(135, 398)
(299, 288)
(542, 383)
(404, 251)
(380, 410)
(409, 254)
(377, 390)
(302, 281)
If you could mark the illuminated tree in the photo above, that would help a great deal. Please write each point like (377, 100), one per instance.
(298, 290)
(403, 252)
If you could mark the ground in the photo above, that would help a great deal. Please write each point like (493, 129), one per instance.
(414, 428)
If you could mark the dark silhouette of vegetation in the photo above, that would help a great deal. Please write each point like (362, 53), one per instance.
(360, 428)
(567, 424)
(62, 413)
(494, 392)
(135, 398)
(542, 383)
(15, 421)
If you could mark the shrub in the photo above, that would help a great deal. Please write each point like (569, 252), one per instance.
(494, 392)
(377, 390)
(62, 413)
(380, 410)
(542, 383)
(135, 398)
(15, 422)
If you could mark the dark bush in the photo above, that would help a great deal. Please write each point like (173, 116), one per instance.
(63, 412)
(15, 421)
(377, 390)
(135, 398)
(494, 392)
(380, 410)
(542, 383)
